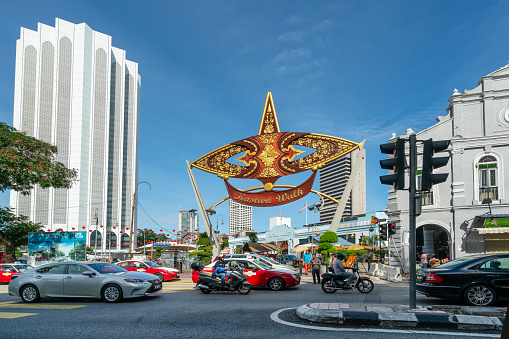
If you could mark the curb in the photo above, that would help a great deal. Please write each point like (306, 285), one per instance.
(396, 319)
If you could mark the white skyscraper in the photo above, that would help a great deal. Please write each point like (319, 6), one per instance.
(241, 217)
(74, 90)
(333, 179)
(188, 223)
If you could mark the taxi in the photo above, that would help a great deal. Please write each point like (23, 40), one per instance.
(163, 273)
(8, 270)
(258, 274)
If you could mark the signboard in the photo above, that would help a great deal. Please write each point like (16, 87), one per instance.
(44, 247)
(270, 155)
(496, 222)
(350, 260)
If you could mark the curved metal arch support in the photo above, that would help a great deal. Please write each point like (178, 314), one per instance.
(323, 195)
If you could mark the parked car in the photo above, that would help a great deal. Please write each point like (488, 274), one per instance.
(163, 273)
(7, 270)
(82, 280)
(265, 260)
(258, 274)
(288, 259)
(480, 280)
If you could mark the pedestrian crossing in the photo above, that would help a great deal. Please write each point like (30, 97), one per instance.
(178, 286)
(18, 304)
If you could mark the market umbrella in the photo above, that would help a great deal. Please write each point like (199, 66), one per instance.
(303, 247)
(355, 247)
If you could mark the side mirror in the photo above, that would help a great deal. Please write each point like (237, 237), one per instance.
(89, 273)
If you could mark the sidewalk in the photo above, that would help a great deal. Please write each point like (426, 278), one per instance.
(438, 317)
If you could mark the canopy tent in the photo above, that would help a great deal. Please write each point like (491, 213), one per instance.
(355, 248)
(167, 247)
(303, 247)
(259, 247)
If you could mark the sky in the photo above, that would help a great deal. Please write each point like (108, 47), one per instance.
(359, 70)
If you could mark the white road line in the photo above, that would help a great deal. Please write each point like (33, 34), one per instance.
(275, 317)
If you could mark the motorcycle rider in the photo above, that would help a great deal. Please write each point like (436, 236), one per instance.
(220, 270)
(339, 270)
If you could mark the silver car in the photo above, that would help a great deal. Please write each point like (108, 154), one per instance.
(82, 280)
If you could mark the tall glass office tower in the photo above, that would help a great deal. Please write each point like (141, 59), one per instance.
(74, 90)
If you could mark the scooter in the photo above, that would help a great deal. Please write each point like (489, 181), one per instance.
(331, 283)
(238, 282)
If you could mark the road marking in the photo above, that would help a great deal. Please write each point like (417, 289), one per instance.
(178, 286)
(20, 304)
(275, 317)
(13, 315)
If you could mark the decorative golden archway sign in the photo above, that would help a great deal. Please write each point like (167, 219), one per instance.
(271, 155)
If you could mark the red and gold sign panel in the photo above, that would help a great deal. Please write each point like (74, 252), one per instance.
(271, 155)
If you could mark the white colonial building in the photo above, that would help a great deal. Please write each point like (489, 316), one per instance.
(451, 223)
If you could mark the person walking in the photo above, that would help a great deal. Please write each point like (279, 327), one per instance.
(306, 257)
(315, 268)
(369, 259)
(424, 259)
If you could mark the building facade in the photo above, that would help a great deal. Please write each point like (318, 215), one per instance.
(241, 217)
(477, 124)
(75, 90)
(188, 223)
(277, 221)
(333, 179)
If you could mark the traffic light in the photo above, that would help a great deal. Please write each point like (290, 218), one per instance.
(391, 230)
(382, 232)
(429, 163)
(396, 163)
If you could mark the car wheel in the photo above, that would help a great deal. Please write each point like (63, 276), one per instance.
(244, 288)
(480, 295)
(276, 284)
(30, 294)
(328, 286)
(160, 276)
(112, 294)
(205, 290)
(365, 286)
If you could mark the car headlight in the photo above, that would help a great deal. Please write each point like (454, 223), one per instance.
(295, 275)
(136, 281)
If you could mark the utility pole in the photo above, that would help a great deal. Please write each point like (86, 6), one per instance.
(131, 230)
(412, 219)
(95, 235)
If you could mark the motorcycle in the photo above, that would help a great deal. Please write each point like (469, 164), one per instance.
(331, 283)
(238, 282)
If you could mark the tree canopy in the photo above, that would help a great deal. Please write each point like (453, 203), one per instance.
(14, 231)
(26, 161)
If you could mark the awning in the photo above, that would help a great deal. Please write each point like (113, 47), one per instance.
(493, 230)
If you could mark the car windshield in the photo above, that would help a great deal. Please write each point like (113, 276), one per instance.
(151, 264)
(270, 260)
(23, 268)
(262, 265)
(107, 268)
(454, 263)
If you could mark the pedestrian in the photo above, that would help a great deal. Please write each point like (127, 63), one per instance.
(424, 259)
(434, 262)
(110, 260)
(315, 268)
(306, 257)
(369, 259)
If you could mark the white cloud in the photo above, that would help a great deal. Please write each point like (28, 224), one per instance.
(291, 36)
(291, 54)
(293, 69)
(323, 25)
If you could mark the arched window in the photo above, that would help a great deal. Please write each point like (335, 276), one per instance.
(488, 178)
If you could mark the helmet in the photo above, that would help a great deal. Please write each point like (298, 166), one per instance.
(219, 257)
(340, 256)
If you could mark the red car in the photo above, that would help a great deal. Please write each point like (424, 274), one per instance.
(8, 270)
(259, 274)
(163, 273)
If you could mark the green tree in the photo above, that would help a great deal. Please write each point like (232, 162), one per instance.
(253, 238)
(14, 231)
(78, 252)
(326, 248)
(204, 248)
(224, 244)
(25, 162)
(148, 237)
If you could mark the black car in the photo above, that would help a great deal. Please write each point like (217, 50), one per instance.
(480, 280)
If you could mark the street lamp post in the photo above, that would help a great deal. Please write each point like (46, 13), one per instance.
(95, 236)
(129, 253)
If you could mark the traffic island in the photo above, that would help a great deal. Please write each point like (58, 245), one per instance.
(400, 316)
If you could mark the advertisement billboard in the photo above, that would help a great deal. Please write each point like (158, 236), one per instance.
(44, 247)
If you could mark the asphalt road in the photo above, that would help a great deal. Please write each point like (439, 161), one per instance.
(181, 311)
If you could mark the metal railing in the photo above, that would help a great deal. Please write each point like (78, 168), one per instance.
(488, 192)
